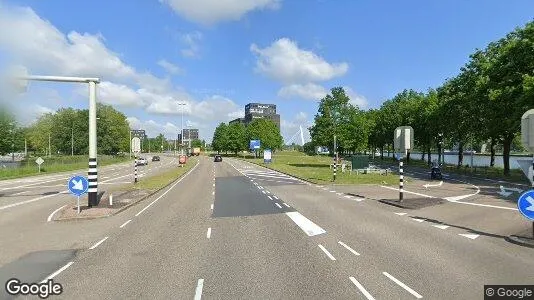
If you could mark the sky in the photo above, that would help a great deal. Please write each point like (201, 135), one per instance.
(218, 55)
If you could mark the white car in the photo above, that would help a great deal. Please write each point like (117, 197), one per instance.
(142, 161)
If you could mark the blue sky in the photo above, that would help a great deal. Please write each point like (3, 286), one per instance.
(218, 55)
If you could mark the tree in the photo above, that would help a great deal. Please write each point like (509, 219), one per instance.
(159, 144)
(7, 132)
(237, 139)
(113, 130)
(267, 132)
(196, 143)
(220, 138)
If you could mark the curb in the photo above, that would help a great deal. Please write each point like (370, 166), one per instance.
(126, 206)
(520, 241)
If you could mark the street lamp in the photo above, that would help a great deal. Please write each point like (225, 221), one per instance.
(22, 77)
(181, 104)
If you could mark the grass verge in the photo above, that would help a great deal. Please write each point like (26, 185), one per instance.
(159, 181)
(316, 169)
(56, 165)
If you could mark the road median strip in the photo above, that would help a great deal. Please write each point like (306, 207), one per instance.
(126, 196)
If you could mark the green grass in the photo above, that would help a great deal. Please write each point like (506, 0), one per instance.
(316, 169)
(155, 182)
(56, 165)
(486, 172)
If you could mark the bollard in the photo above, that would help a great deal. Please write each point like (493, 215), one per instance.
(110, 199)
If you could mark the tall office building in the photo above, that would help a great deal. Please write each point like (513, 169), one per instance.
(259, 111)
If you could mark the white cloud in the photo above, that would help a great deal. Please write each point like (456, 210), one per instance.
(191, 41)
(301, 116)
(355, 98)
(208, 12)
(29, 113)
(153, 128)
(237, 114)
(309, 91)
(284, 61)
(170, 67)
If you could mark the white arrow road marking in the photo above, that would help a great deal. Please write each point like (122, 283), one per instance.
(441, 226)
(531, 202)
(504, 193)
(432, 185)
(469, 235)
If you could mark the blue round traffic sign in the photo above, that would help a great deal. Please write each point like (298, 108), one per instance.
(78, 185)
(525, 204)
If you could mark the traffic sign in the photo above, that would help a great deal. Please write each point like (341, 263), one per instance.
(527, 130)
(136, 145)
(403, 138)
(78, 185)
(525, 204)
(267, 155)
(39, 161)
(255, 144)
(139, 133)
(526, 167)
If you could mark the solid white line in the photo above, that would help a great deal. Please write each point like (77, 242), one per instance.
(270, 198)
(98, 244)
(19, 193)
(53, 213)
(287, 205)
(31, 200)
(326, 252)
(212, 207)
(167, 191)
(275, 197)
(305, 224)
(348, 248)
(279, 206)
(408, 192)
(51, 276)
(125, 223)
(361, 288)
(208, 234)
(407, 288)
(198, 291)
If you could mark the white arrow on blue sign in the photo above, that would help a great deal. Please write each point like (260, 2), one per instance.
(78, 185)
(525, 204)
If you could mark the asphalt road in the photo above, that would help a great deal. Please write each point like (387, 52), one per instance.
(232, 230)
(26, 205)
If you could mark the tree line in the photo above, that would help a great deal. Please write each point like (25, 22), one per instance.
(482, 104)
(236, 137)
(65, 132)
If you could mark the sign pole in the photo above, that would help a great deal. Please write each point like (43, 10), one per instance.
(135, 170)
(401, 180)
(78, 204)
(335, 157)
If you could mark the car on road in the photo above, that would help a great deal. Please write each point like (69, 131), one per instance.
(155, 158)
(218, 158)
(142, 161)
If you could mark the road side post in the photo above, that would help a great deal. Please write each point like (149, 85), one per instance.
(78, 204)
(135, 169)
(401, 180)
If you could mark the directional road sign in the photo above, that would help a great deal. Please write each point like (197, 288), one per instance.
(267, 156)
(255, 144)
(139, 133)
(525, 204)
(78, 185)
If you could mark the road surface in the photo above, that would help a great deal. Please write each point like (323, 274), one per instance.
(232, 230)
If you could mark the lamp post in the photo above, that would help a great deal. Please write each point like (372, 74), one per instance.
(21, 74)
(181, 104)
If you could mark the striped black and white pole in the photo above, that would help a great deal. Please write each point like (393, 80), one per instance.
(401, 181)
(335, 157)
(92, 177)
(135, 170)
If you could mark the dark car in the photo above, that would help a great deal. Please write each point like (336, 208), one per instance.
(217, 158)
(155, 158)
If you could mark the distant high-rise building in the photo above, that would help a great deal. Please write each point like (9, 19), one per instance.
(259, 111)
